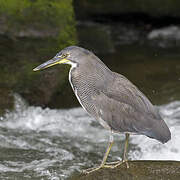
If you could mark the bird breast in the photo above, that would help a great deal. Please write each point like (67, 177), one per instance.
(83, 86)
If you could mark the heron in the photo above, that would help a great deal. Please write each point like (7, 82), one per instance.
(109, 97)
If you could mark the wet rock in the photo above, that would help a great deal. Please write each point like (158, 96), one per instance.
(104, 25)
(38, 19)
(139, 170)
(7, 100)
(45, 88)
(104, 38)
(95, 8)
(32, 32)
(96, 37)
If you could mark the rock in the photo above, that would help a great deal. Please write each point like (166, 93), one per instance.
(44, 88)
(139, 170)
(7, 100)
(155, 8)
(32, 32)
(104, 25)
(96, 37)
(37, 19)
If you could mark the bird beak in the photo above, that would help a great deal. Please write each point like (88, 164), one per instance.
(51, 62)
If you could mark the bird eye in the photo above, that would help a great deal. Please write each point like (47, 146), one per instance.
(64, 55)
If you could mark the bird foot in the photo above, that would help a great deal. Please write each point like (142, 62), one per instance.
(111, 165)
(116, 164)
(90, 170)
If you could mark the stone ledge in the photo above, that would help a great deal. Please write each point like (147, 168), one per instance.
(139, 170)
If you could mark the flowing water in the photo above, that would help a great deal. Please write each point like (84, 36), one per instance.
(38, 143)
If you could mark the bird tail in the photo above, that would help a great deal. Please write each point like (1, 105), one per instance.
(159, 131)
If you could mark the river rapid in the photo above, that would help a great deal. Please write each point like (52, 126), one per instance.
(38, 143)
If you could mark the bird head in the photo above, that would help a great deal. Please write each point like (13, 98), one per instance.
(72, 55)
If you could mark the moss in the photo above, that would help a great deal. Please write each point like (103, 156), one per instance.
(33, 31)
(67, 37)
(53, 18)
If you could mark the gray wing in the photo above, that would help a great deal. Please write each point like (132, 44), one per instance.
(126, 109)
(124, 91)
(120, 116)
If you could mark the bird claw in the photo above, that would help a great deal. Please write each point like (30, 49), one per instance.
(111, 165)
(90, 170)
(116, 164)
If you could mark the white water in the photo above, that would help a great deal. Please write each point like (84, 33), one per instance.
(153, 150)
(170, 32)
(70, 140)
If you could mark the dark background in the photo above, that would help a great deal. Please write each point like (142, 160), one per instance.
(139, 39)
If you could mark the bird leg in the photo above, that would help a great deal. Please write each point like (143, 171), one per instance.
(111, 164)
(87, 171)
(125, 150)
(124, 159)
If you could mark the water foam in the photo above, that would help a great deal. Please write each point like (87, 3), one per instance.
(148, 149)
(76, 123)
(67, 138)
(171, 32)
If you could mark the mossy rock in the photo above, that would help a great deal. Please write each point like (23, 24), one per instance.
(38, 18)
(31, 33)
(7, 99)
(138, 170)
(46, 88)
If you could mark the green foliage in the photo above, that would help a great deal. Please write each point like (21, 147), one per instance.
(50, 15)
(67, 36)
(53, 21)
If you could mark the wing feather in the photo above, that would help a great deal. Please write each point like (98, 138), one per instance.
(126, 109)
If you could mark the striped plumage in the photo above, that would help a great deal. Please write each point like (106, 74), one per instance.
(112, 97)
